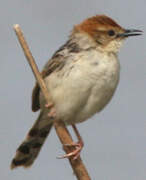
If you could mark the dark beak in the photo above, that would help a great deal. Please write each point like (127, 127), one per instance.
(130, 32)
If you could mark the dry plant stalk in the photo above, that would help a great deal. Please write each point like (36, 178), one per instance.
(62, 132)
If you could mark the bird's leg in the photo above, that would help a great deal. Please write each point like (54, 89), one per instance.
(78, 145)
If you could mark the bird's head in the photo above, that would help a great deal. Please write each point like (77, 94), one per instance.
(105, 32)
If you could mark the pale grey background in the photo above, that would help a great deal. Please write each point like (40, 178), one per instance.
(115, 140)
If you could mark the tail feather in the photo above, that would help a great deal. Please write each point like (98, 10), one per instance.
(31, 146)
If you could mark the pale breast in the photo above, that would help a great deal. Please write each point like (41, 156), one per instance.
(103, 73)
(84, 86)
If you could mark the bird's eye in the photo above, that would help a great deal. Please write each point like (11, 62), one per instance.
(111, 32)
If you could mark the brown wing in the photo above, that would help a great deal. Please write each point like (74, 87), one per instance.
(35, 98)
(56, 62)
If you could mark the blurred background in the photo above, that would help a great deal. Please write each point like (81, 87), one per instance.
(115, 139)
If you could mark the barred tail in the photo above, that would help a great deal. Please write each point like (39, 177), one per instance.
(31, 146)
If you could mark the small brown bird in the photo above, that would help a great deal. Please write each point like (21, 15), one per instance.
(81, 78)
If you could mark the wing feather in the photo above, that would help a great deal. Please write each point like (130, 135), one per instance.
(56, 63)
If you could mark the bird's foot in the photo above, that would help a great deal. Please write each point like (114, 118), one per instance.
(75, 153)
(52, 113)
(49, 105)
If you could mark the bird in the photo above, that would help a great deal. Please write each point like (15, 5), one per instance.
(81, 78)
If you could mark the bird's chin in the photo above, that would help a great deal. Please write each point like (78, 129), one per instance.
(115, 45)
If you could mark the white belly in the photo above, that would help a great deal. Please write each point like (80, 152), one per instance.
(83, 87)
